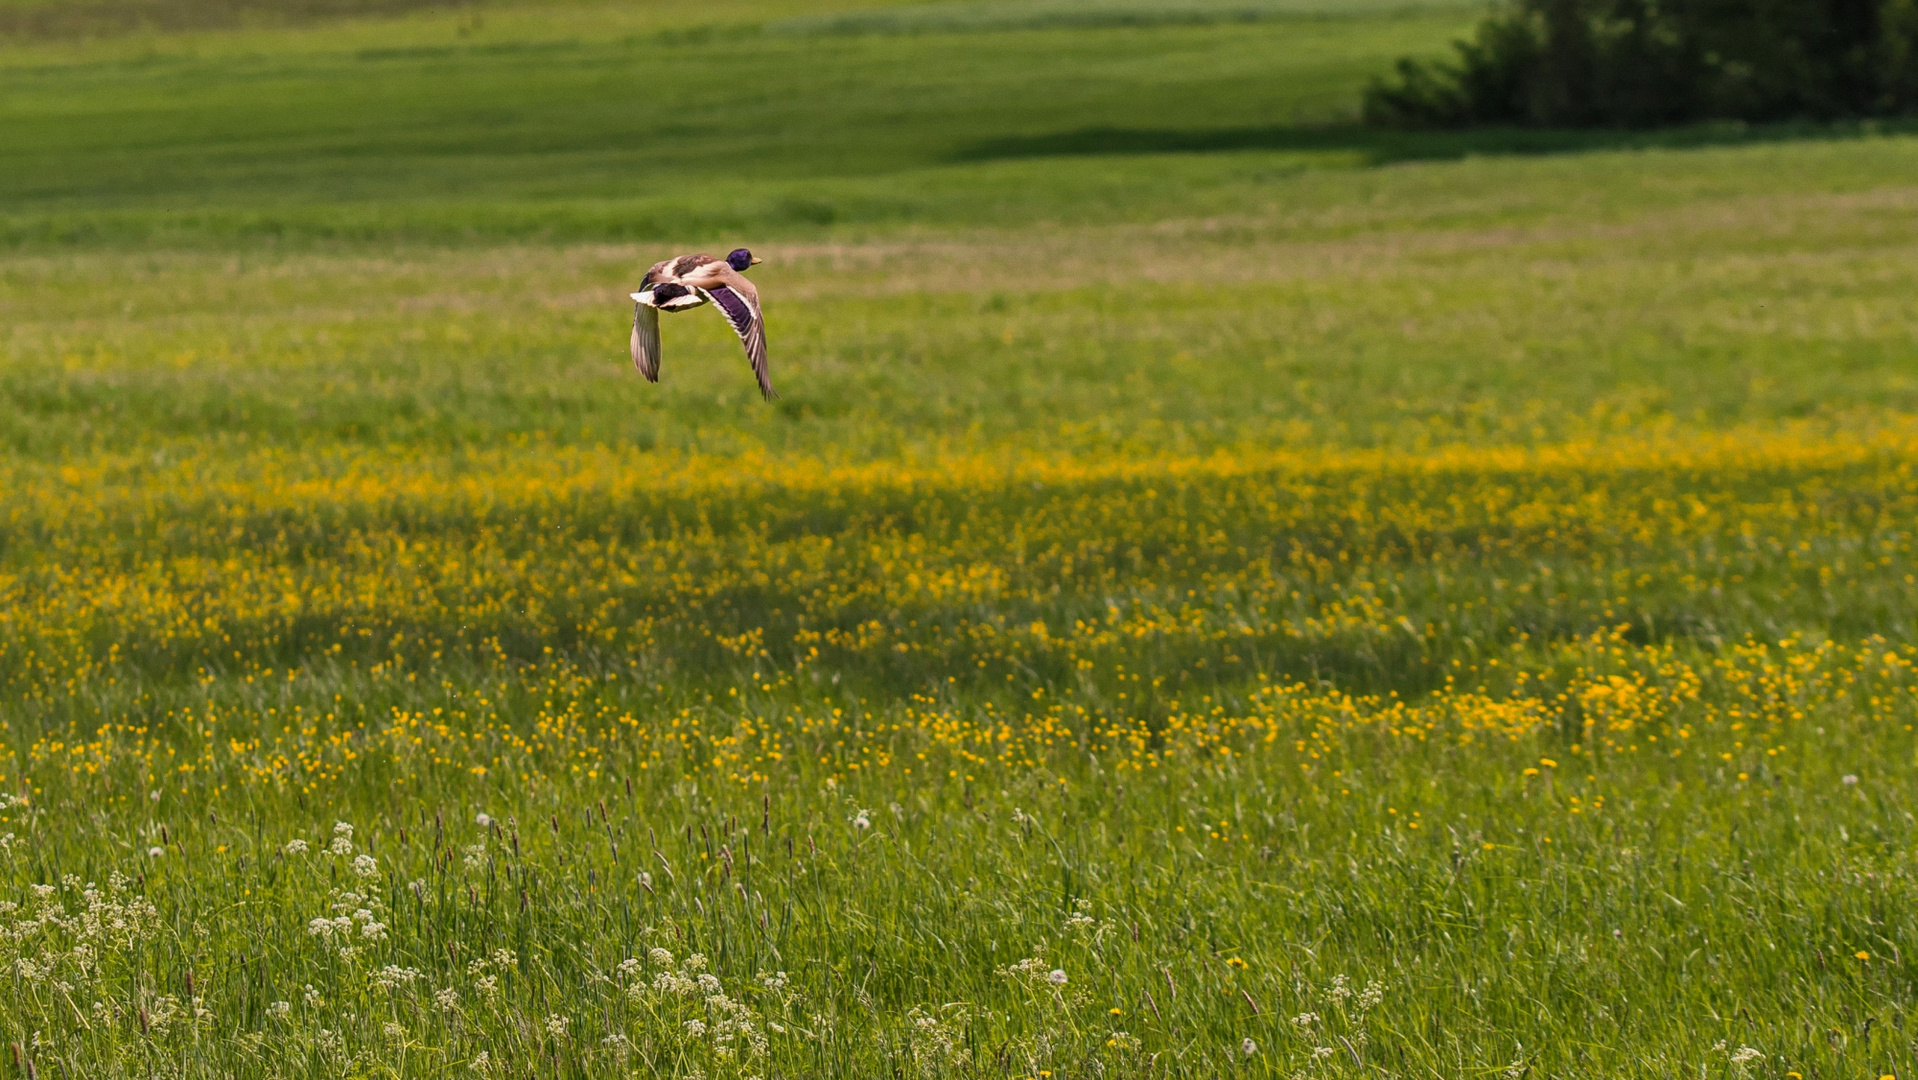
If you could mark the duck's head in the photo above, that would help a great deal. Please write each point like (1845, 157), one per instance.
(740, 259)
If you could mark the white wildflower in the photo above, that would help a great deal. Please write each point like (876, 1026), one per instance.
(695, 1028)
(296, 847)
(343, 830)
(619, 1046)
(1745, 1055)
(366, 866)
(487, 985)
(311, 997)
(1248, 1047)
(393, 1031)
(1306, 1020)
(556, 1026)
(1323, 1051)
(447, 999)
(861, 820)
(482, 1062)
(279, 1009)
(1848, 780)
(155, 852)
(660, 957)
(1032, 968)
(392, 975)
(340, 846)
(695, 962)
(482, 820)
(668, 983)
(475, 856)
(1056, 977)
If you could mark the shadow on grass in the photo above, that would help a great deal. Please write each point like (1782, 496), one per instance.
(1383, 147)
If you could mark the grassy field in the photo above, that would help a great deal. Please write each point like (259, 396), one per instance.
(1223, 592)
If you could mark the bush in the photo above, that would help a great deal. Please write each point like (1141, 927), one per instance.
(1639, 63)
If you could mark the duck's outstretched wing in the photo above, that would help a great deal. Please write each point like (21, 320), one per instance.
(740, 302)
(646, 340)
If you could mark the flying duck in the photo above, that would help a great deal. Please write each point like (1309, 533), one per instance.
(692, 281)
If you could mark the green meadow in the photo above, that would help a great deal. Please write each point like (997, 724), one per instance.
(1223, 592)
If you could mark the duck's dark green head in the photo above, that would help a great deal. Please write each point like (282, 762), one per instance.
(740, 259)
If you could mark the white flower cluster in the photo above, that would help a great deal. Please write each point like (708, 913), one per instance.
(487, 986)
(688, 981)
(729, 1027)
(1033, 970)
(392, 977)
(68, 952)
(1083, 928)
(342, 928)
(937, 1042)
(354, 917)
(1367, 999)
(161, 1012)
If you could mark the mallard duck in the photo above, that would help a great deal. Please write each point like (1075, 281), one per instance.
(691, 281)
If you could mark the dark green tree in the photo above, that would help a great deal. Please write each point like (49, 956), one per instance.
(1640, 63)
